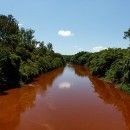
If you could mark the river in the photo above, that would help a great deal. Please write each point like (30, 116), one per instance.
(67, 98)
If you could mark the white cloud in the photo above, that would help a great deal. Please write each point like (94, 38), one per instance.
(20, 24)
(64, 85)
(98, 48)
(65, 33)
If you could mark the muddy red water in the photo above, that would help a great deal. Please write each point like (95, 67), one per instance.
(67, 98)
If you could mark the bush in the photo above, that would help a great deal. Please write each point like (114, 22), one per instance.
(115, 73)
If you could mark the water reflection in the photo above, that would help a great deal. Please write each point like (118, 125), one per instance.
(46, 80)
(15, 103)
(80, 70)
(64, 85)
(110, 95)
(21, 100)
(63, 99)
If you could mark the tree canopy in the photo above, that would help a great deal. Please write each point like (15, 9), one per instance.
(112, 64)
(127, 34)
(22, 57)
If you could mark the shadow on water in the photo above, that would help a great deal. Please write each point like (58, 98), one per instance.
(2, 93)
(46, 80)
(19, 100)
(16, 101)
(108, 93)
(12, 105)
(80, 70)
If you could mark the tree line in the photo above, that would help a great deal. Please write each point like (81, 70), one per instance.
(22, 57)
(112, 64)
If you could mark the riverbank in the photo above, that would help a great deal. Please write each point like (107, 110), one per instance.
(22, 57)
(112, 65)
(67, 98)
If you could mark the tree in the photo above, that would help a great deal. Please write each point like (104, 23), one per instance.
(49, 46)
(42, 48)
(27, 35)
(127, 34)
(9, 30)
(22, 57)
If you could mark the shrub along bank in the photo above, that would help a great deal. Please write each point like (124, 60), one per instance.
(112, 64)
(22, 57)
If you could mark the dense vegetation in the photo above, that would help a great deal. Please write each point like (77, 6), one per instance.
(112, 64)
(22, 57)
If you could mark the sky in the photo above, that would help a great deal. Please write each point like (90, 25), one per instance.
(73, 25)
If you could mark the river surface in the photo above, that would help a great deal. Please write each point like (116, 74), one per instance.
(67, 98)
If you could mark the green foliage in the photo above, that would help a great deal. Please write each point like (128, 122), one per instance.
(127, 34)
(124, 87)
(12, 70)
(112, 64)
(4, 56)
(103, 60)
(49, 46)
(28, 70)
(80, 58)
(115, 73)
(9, 31)
(67, 57)
(22, 57)
(126, 70)
(8, 26)
(9, 68)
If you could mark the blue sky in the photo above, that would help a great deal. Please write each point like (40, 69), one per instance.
(73, 25)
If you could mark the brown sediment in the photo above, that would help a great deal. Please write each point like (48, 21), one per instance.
(65, 99)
